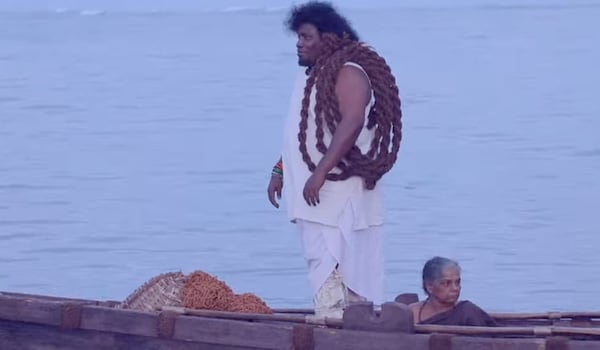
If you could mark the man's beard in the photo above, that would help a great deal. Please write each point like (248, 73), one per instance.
(302, 62)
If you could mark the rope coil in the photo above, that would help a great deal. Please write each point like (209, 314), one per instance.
(385, 116)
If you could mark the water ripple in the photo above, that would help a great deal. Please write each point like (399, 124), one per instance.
(26, 187)
(17, 260)
(50, 107)
(17, 236)
(4, 99)
(64, 250)
(588, 153)
(41, 222)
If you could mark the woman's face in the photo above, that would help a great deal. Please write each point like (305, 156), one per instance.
(446, 289)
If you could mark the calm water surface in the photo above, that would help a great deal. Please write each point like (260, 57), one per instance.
(132, 144)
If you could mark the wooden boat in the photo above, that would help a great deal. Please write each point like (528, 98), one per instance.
(49, 323)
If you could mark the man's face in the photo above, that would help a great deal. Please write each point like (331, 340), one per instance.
(308, 45)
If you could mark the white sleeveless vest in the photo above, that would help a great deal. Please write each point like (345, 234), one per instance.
(367, 205)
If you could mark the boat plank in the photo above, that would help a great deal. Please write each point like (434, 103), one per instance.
(476, 343)
(394, 317)
(46, 297)
(238, 333)
(30, 310)
(331, 339)
(133, 322)
(27, 336)
(584, 345)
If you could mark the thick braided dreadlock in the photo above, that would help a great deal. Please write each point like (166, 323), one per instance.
(385, 116)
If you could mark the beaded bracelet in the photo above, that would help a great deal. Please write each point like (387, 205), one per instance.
(277, 169)
(277, 172)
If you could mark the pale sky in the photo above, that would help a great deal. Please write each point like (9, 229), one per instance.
(183, 5)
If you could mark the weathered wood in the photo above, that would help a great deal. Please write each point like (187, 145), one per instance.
(242, 316)
(541, 322)
(47, 298)
(440, 342)
(235, 315)
(544, 331)
(334, 339)
(30, 310)
(166, 324)
(584, 345)
(557, 343)
(231, 332)
(394, 317)
(133, 322)
(294, 311)
(303, 337)
(544, 315)
(407, 298)
(581, 322)
(108, 303)
(50, 323)
(27, 336)
(70, 317)
(474, 343)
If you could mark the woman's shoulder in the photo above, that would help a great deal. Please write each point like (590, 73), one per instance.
(416, 308)
(417, 305)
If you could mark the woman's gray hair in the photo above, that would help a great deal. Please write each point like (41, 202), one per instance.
(434, 267)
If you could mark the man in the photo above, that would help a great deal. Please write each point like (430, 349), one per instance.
(341, 136)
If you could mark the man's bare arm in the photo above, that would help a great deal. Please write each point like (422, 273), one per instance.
(353, 92)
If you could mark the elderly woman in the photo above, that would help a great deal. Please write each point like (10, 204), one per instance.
(441, 283)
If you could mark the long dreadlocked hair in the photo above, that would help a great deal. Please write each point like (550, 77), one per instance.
(385, 116)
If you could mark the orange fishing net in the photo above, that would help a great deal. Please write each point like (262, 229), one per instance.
(203, 291)
(249, 303)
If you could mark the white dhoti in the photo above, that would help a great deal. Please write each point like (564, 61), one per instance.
(345, 265)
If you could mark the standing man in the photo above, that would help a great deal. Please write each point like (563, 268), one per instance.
(342, 135)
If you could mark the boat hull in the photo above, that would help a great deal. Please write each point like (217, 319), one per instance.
(43, 322)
